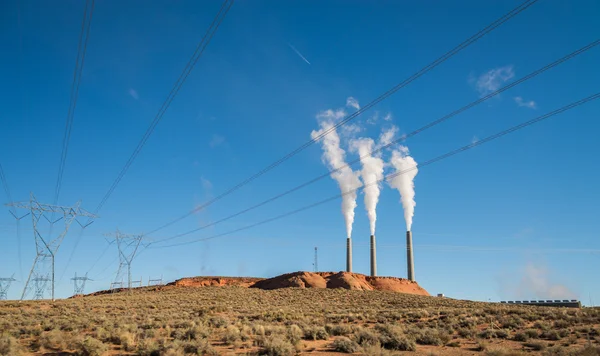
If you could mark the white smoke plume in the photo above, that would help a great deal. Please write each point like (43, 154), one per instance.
(334, 157)
(405, 166)
(387, 136)
(536, 283)
(371, 173)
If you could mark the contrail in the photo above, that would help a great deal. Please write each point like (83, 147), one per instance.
(298, 53)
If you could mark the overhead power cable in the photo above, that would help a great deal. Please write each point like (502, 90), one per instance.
(389, 176)
(210, 32)
(382, 97)
(14, 213)
(81, 51)
(208, 35)
(394, 142)
(6, 188)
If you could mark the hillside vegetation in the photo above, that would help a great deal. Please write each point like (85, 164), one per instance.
(238, 320)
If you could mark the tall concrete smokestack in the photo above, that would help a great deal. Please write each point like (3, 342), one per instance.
(409, 257)
(373, 257)
(348, 255)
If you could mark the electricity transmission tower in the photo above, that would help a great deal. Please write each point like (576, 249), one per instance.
(155, 282)
(316, 263)
(79, 283)
(47, 246)
(4, 285)
(40, 283)
(137, 283)
(128, 245)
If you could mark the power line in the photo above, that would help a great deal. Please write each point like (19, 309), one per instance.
(426, 163)
(382, 97)
(210, 32)
(208, 35)
(81, 51)
(14, 213)
(6, 188)
(392, 143)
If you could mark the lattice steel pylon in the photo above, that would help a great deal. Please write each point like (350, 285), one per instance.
(40, 283)
(155, 282)
(5, 285)
(128, 245)
(79, 283)
(47, 247)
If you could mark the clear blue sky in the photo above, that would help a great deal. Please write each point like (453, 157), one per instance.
(497, 222)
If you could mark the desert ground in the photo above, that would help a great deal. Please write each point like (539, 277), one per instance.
(223, 316)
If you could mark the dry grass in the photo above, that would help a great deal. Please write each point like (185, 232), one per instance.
(228, 320)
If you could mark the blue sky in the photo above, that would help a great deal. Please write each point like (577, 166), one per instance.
(514, 218)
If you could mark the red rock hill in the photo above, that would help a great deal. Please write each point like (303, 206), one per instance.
(344, 280)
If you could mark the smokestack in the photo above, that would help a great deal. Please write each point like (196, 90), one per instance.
(348, 254)
(409, 257)
(373, 257)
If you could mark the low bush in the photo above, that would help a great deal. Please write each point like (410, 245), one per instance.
(503, 352)
(91, 347)
(344, 344)
(394, 338)
(429, 336)
(9, 346)
(537, 346)
(521, 336)
(231, 335)
(148, 347)
(453, 344)
(366, 337)
(277, 346)
(315, 333)
(339, 330)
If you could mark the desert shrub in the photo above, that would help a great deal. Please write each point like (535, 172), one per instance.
(315, 333)
(344, 344)
(466, 332)
(148, 347)
(501, 334)
(203, 347)
(53, 340)
(532, 333)
(277, 346)
(429, 336)
(274, 330)
(218, 322)
(513, 322)
(551, 335)
(376, 350)
(294, 334)
(339, 330)
(481, 346)
(196, 332)
(487, 334)
(590, 350)
(127, 340)
(9, 346)
(521, 336)
(91, 347)
(453, 344)
(541, 325)
(366, 337)
(503, 352)
(231, 335)
(195, 347)
(561, 324)
(393, 338)
(537, 346)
